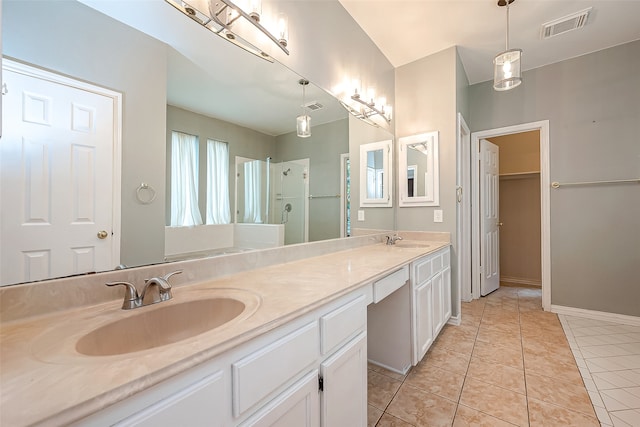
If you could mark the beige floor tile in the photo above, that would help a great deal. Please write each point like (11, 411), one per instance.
(455, 341)
(373, 415)
(437, 381)
(496, 401)
(553, 352)
(391, 421)
(496, 353)
(381, 389)
(420, 408)
(542, 365)
(496, 374)
(506, 339)
(468, 417)
(546, 414)
(572, 396)
(447, 359)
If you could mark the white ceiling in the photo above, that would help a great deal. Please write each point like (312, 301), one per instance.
(407, 30)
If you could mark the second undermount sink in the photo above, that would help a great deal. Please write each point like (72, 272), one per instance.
(161, 325)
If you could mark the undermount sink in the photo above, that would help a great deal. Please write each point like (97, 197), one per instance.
(411, 244)
(162, 325)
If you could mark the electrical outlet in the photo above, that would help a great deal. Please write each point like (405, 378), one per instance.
(360, 215)
(437, 215)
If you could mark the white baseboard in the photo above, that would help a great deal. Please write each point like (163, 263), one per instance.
(520, 281)
(389, 368)
(455, 320)
(598, 315)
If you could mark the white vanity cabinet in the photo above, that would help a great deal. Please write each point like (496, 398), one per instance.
(431, 299)
(312, 371)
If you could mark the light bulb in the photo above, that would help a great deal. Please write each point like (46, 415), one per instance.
(255, 9)
(283, 29)
(506, 69)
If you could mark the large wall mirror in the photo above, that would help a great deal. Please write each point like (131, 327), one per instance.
(418, 175)
(175, 76)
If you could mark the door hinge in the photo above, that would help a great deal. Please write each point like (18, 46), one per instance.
(320, 383)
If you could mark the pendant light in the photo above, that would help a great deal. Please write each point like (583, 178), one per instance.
(506, 65)
(303, 121)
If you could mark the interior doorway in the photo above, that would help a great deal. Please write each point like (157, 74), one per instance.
(542, 128)
(519, 208)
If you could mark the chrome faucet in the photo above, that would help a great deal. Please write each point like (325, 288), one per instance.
(133, 300)
(391, 240)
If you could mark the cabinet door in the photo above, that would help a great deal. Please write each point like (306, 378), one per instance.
(438, 297)
(200, 404)
(423, 327)
(343, 401)
(297, 406)
(446, 292)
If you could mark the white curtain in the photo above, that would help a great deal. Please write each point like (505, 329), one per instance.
(218, 182)
(252, 192)
(184, 180)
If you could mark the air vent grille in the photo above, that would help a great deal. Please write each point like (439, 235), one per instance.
(565, 24)
(313, 106)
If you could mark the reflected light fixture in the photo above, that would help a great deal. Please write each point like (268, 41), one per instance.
(303, 121)
(219, 16)
(506, 65)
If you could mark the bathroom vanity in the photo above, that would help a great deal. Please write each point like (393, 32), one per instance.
(296, 356)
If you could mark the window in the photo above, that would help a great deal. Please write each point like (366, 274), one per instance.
(218, 182)
(184, 180)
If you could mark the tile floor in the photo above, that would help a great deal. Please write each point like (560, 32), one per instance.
(508, 363)
(608, 356)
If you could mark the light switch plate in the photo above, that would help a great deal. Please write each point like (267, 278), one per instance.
(437, 215)
(360, 215)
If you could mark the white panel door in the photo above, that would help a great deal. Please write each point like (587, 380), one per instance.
(489, 193)
(56, 184)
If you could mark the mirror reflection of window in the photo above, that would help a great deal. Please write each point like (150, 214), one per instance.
(218, 211)
(375, 174)
(184, 180)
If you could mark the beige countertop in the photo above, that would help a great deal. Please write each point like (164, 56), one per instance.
(43, 379)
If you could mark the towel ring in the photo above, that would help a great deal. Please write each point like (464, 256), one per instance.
(146, 200)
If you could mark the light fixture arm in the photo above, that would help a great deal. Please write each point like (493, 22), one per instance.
(370, 105)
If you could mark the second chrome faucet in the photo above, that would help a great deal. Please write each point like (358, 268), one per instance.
(158, 288)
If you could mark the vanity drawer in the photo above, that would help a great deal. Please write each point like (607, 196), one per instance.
(423, 270)
(342, 323)
(436, 263)
(262, 372)
(387, 285)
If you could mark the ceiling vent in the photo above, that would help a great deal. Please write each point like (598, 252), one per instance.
(565, 24)
(313, 106)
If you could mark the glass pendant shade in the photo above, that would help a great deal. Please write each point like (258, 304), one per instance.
(303, 126)
(506, 69)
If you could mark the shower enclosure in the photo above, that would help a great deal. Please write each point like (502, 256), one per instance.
(274, 193)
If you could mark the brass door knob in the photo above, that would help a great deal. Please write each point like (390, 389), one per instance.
(499, 224)
(102, 234)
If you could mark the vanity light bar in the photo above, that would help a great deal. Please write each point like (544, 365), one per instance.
(371, 106)
(223, 29)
